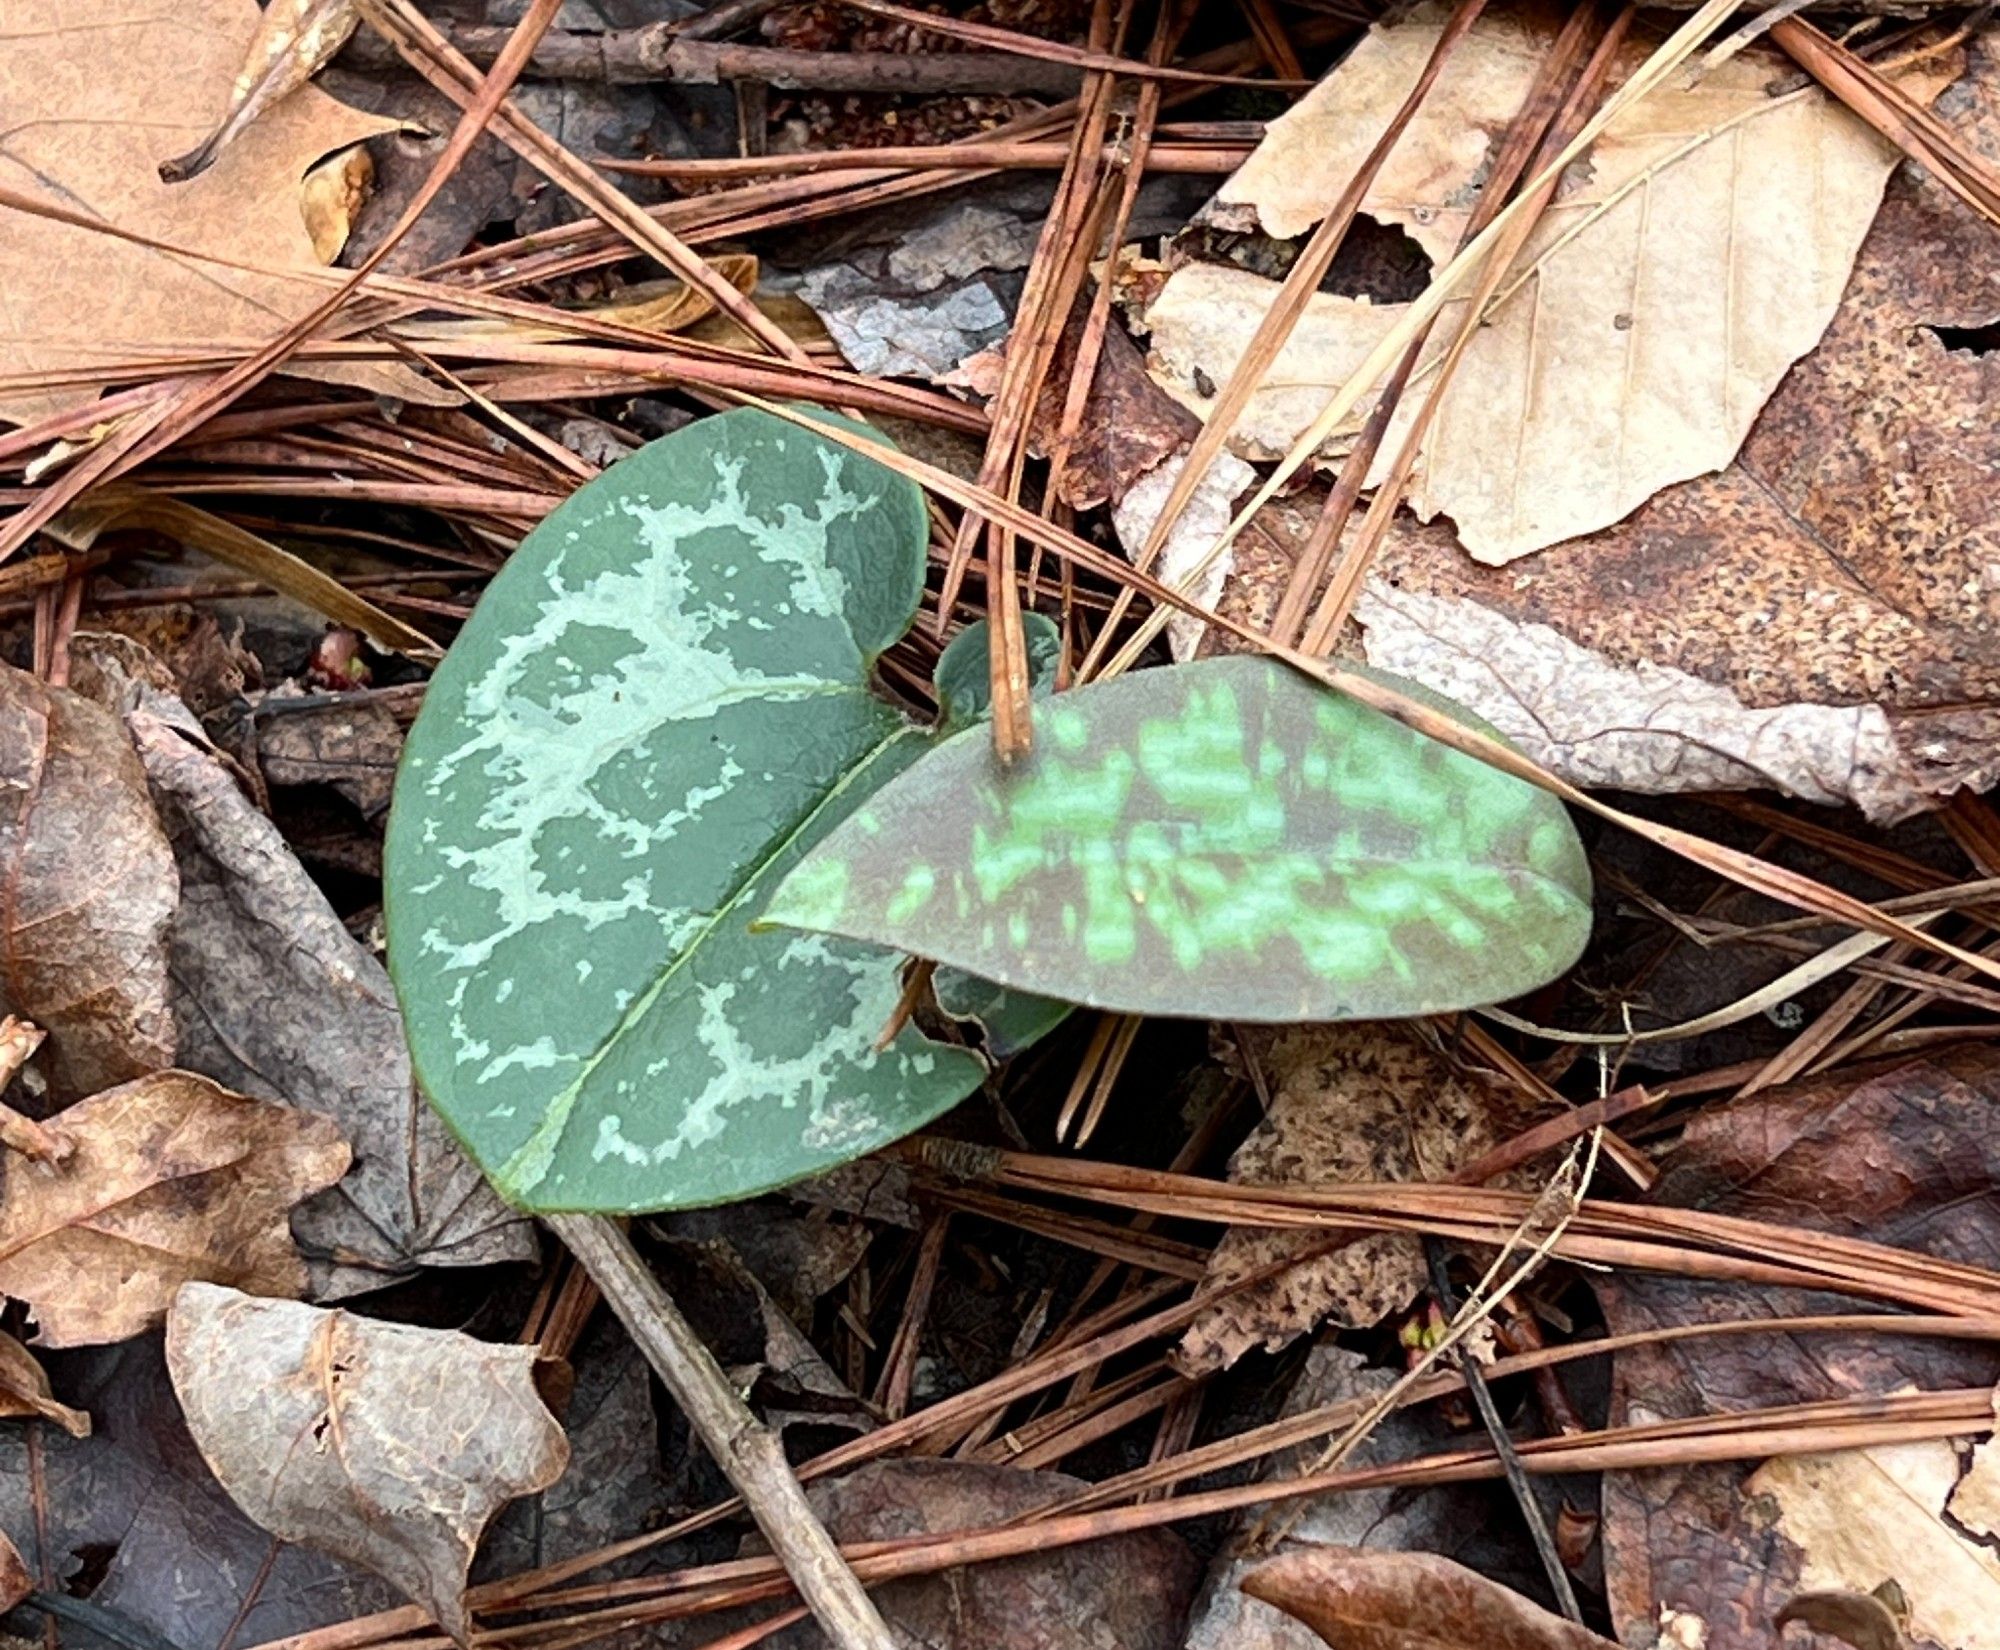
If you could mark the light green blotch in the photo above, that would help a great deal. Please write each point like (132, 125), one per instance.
(816, 893)
(919, 882)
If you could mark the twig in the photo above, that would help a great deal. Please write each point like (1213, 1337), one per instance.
(747, 1451)
(1503, 1444)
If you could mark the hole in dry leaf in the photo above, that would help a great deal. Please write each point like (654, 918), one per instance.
(93, 1564)
(1378, 261)
(1968, 340)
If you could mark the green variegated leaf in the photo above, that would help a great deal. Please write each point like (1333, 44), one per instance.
(1223, 840)
(661, 704)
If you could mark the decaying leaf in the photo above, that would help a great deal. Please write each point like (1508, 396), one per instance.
(1472, 1524)
(15, 1581)
(1869, 1516)
(1681, 269)
(1347, 1103)
(1221, 839)
(1975, 1502)
(1897, 1152)
(1132, 1591)
(273, 996)
(24, 1391)
(172, 1179)
(331, 197)
(387, 1445)
(90, 888)
(1408, 1601)
(352, 748)
(294, 39)
(158, 79)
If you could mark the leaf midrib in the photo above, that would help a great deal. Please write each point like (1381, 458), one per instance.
(548, 1133)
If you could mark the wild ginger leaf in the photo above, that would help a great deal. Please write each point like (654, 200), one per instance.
(1223, 840)
(661, 704)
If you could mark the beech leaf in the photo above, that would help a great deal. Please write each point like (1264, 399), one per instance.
(172, 1179)
(661, 703)
(1219, 840)
(381, 1443)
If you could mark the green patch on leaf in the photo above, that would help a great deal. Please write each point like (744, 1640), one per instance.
(661, 705)
(1220, 840)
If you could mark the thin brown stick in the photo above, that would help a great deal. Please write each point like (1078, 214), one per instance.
(747, 1451)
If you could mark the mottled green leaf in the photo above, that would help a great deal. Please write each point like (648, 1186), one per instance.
(963, 677)
(1222, 839)
(659, 706)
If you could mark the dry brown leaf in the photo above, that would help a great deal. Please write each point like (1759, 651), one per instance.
(294, 40)
(1363, 1102)
(384, 1444)
(15, 1581)
(1360, 1600)
(173, 1178)
(1697, 252)
(1869, 1516)
(331, 198)
(273, 996)
(97, 97)
(24, 1391)
(89, 890)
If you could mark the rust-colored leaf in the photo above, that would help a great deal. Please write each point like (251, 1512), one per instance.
(15, 1581)
(1359, 1600)
(24, 1391)
(381, 1443)
(173, 1178)
(87, 889)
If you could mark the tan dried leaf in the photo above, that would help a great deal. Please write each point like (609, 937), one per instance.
(1869, 1516)
(1694, 255)
(24, 1391)
(173, 1178)
(293, 42)
(331, 197)
(384, 1444)
(1348, 1103)
(1408, 1601)
(90, 889)
(97, 98)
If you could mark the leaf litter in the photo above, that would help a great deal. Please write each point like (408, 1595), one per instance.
(1764, 573)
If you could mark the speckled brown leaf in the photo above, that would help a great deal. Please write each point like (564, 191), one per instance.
(152, 81)
(173, 1179)
(1348, 1102)
(352, 748)
(87, 888)
(384, 1444)
(273, 996)
(1903, 1153)
(1409, 1601)
(1818, 618)
(1130, 1591)
(24, 1391)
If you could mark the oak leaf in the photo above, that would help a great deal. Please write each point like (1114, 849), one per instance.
(97, 98)
(384, 1444)
(172, 1178)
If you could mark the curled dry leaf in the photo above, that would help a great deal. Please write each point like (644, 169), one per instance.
(1364, 1102)
(90, 889)
(1901, 1153)
(173, 1179)
(384, 1444)
(1680, 270)
(24, 1391)
(294, 40)
(273, 996)
(1408, 1601)
(158, 77)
